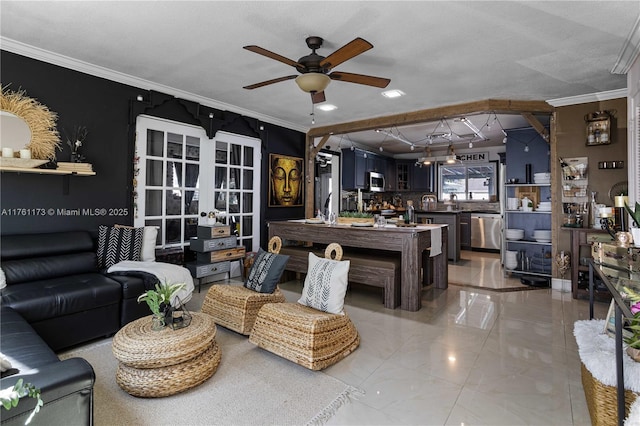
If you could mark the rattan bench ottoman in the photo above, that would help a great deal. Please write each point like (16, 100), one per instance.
(160, 363)
(306, 336)
(236, 307)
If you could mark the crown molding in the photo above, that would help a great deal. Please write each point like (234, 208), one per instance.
(629, 52)
(591, 97)
(33, 52)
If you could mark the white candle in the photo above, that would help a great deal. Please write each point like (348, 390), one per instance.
(7, 152)
(25, 153)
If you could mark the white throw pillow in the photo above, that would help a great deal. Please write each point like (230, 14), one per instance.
(5, 364)
(3, 279)
(148, 253)
(325, 284)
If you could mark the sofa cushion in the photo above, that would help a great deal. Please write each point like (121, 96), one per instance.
(44, 299)
(48, 244)
(42, 268)
(116, 244)
(21, 344)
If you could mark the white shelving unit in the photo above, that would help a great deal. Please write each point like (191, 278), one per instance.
(539, 253)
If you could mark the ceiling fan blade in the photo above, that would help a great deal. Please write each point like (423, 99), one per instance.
(346, 52)
(318, 97)
(264, 52)
(367, 80)
(265, 83)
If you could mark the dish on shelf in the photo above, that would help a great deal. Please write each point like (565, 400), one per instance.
(514, 234)
(314, 221)
(543, 240)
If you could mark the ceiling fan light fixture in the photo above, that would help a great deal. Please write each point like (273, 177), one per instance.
(313, 82)
(327, 107)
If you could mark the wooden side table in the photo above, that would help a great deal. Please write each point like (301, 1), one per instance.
(160, 363)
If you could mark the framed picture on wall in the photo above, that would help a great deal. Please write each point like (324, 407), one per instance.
(286, 181)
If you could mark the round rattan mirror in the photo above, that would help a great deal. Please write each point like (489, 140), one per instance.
(41, 122)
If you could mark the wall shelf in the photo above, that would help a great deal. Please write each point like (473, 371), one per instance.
(45, 171)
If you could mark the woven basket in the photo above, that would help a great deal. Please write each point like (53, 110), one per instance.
(306, 336)
(169, 380)
(236, 307)
(137, 345)
(602, 400)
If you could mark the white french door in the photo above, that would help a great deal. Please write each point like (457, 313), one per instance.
(231, 184)
(181, 176)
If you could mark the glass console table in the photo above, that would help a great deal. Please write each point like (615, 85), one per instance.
(615, 278)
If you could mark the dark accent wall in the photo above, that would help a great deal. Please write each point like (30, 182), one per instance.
(33, 203)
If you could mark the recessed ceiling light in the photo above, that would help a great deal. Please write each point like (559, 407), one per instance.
(393, 93)
(327, 107)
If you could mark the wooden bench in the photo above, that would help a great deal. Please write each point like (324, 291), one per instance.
(371, 267)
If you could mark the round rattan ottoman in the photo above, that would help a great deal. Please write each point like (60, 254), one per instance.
(160, 363)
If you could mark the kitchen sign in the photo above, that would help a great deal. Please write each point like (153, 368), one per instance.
(474, 157)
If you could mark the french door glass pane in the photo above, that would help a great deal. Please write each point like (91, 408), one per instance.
(173, 231)
(153, 203)
(155, 143)
(154, 173)
(174, 174)
(247, 202)
(174, 149)
(248, 156)
(234, 205)
(247, 179)
(236, 151)
(190, 228)
(191, 202)
(192, 175)
(193, 148)
(221, 152)
(247, 226)
(174, 202)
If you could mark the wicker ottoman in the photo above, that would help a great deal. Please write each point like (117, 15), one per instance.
(161, 363)
(236, 307)
(306, 336)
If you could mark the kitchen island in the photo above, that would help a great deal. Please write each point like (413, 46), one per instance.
(410, 242)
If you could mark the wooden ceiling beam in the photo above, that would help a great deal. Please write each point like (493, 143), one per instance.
(487, 106)
(536, 124)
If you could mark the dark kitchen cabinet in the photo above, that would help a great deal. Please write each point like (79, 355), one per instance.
(354, 169)
(410, 177)
(356, 164)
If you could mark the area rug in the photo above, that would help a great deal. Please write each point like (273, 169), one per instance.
(250, 387)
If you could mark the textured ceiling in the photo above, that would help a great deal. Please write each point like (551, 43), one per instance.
(438, 53)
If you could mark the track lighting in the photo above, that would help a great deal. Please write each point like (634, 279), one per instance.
(526, 148)
(470, 144)
(451, 157)
(381, 149)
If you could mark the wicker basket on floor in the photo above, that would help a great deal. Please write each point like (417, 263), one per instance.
(306, 336)
(602, 400)
(236, 307)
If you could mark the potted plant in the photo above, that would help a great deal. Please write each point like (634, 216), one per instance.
(634, 323)
(159, 302)
(10, 397)
(635, 218)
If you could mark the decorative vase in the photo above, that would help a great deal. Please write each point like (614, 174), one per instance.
(157, 322)
(633, 353)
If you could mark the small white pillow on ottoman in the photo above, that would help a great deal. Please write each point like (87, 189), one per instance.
(325, 284)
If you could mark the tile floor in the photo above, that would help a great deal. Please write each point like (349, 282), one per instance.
(470, 356)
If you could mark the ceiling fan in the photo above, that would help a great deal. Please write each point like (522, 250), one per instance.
(314, 69)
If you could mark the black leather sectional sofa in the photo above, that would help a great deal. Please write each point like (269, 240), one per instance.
(55, 298)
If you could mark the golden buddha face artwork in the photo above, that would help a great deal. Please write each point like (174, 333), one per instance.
(286, 181)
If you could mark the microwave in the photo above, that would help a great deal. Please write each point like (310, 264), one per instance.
(376, 182)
